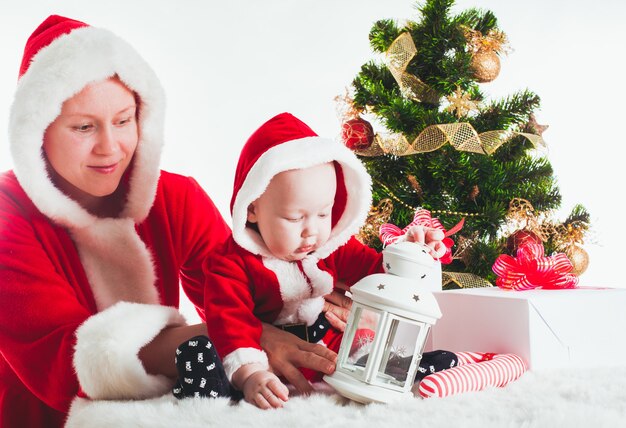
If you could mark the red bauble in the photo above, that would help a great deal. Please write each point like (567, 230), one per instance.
(357, 134)
(519, 238)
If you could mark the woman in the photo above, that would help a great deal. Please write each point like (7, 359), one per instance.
(94, 238)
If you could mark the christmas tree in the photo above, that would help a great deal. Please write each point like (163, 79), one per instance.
(447, 148)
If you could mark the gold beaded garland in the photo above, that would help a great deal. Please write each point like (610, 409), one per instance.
(404, 204)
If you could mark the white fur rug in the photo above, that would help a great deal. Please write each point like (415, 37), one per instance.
(565, 398)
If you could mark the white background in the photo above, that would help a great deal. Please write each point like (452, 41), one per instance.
(229, 66)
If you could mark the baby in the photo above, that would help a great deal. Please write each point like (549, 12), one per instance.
(298, 200)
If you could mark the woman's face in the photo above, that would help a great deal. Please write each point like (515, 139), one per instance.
(91, 143)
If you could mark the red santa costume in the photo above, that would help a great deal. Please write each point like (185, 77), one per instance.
(246, 284)
(81, 294)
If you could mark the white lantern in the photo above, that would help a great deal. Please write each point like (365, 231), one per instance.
(389, 322)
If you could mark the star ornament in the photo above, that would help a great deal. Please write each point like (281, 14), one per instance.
(460, 103)
(381, 286)
(416, 297)
(535, 127)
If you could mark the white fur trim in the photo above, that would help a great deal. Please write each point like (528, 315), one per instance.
(321, 281)
(242, 356)
(302, 300)
(117, 263)
(56, 73)
(107, 345)
(293, 287)
(310, 309)
(304, 153)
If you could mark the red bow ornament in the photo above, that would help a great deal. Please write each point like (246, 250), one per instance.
(531, 269)
(390, 233)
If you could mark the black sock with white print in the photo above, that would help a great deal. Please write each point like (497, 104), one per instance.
(431, 362)
(435, 361)
(200, 371)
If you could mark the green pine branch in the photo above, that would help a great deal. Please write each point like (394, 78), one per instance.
(455, 184)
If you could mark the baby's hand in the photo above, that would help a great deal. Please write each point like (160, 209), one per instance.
(429, 236)
(265, 390)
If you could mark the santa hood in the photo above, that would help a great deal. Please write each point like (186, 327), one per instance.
(61, 57)
(285, 143)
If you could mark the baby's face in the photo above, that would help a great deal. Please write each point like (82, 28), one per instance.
(294, 213)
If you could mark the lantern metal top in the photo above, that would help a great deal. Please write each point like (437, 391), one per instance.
(402, 296)
(414, 252)
(412, 260)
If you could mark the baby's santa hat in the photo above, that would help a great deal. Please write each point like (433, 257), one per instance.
(284, 143)
(61, 57)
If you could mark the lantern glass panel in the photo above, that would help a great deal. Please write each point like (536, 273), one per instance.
(364, 336)
(398, 353)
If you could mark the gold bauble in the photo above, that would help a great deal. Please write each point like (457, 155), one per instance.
(485, 65)
(579, 258)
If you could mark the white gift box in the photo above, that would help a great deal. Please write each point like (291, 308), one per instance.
(583, 327)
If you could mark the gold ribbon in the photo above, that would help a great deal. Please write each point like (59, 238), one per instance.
(463, 280)
(398, 56)
(462, 136)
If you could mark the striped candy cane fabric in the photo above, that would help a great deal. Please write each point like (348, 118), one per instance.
(475, 371)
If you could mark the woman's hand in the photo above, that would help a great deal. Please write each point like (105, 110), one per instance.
(287, 353)
(337, 308)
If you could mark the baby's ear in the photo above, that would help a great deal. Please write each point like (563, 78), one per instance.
(252, 213)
